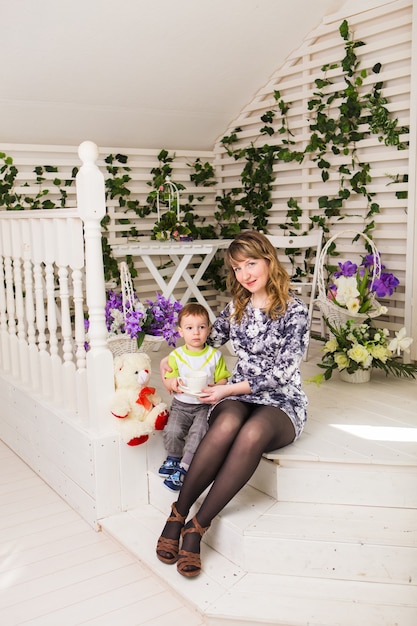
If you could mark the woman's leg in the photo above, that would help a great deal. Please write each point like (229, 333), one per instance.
(267, 428)
(225, 422)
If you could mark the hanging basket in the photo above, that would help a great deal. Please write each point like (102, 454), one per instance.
(121, 344)
(334, 314)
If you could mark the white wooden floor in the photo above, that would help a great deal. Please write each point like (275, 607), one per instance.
(56, 570)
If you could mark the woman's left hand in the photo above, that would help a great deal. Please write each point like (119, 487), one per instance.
(215, 393)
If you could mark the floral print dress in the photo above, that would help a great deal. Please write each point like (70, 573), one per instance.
(268, 356)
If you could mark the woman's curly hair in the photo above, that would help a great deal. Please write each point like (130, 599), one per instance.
(255, 245)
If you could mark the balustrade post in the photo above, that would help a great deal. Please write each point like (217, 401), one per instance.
(91, 205)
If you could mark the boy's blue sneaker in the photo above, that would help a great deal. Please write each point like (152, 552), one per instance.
(169, 466)
(175, 481)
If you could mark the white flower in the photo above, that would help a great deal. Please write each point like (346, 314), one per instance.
(352, 305)
(401, 342)
(118, 320)
(360, 354)
(139, 307)
(346, 289)
(331, 345)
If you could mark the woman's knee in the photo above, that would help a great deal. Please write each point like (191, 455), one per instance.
(253, 437)
(225, 426)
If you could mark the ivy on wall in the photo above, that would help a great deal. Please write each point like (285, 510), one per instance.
(339, 120)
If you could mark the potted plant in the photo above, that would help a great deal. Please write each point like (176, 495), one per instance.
(355, 349)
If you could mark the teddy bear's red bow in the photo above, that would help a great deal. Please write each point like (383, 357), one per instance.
(143, 397)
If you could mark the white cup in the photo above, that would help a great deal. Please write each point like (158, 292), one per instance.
(194, 382)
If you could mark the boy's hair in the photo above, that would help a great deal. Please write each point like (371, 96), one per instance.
(193, 308)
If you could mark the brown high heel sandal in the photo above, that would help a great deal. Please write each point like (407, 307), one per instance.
(190, 559)
(170, 546)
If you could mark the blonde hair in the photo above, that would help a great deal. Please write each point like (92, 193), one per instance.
(255, 245)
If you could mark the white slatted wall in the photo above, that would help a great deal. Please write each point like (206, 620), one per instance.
(386, 31)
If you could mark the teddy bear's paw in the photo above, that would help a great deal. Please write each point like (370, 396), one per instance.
(161, 420)
(119, 416)
(136, 441)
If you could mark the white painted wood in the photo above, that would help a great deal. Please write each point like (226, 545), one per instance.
(387, 33)
(340, 522)
(411, 314)
(56, 569)
(55, 399)
(305, 538)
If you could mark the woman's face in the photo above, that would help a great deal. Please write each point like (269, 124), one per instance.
(252, 274)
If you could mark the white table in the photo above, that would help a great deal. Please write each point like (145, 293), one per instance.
(181, 254)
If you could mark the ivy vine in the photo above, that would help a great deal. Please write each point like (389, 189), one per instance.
(339, 119)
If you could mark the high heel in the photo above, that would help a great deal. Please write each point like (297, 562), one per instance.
(188, 559)
(170, 546)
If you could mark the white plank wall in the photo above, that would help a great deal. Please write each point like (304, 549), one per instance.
(386, 31)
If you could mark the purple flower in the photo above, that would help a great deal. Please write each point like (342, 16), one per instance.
(162, 319)
(369, 262)
(133, 322)
(381, 287)
(385, 285)
(346, 269)
(114, 301)
(158, 318)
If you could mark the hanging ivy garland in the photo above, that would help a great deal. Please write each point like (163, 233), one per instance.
(339, 121)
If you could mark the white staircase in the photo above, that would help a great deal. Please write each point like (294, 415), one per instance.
(324, 535)
(308, 558)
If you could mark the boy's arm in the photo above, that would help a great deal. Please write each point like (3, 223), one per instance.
(221, 373)
(222, 381)
(170, 379)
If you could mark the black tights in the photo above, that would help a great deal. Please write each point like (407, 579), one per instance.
(230, 452)
(228, 455)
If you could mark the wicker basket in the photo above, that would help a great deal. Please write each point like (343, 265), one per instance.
(360, 376)
(334, 314)
(120, 344)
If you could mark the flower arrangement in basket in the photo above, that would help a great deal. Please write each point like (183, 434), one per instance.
(353, 289)
(135, 326)
(357, 348)
(169, 225)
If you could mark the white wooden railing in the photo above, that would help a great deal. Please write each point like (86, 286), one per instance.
(50, 277)
(54, 394)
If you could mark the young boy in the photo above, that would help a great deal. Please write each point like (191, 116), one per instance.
(187, 422)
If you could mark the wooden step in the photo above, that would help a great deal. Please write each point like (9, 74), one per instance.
(226, 594)
(353, 543)
(261, 535)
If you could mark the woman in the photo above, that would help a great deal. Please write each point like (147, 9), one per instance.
(260, 409)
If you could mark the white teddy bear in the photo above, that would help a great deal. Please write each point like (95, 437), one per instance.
(138, 407)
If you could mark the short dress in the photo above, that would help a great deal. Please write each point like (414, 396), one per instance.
(268, 356)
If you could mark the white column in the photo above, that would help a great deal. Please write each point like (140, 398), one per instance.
(91, 209)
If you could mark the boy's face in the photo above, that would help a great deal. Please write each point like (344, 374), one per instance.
(194, 330)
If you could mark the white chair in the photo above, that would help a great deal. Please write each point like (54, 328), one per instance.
(294, 247)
